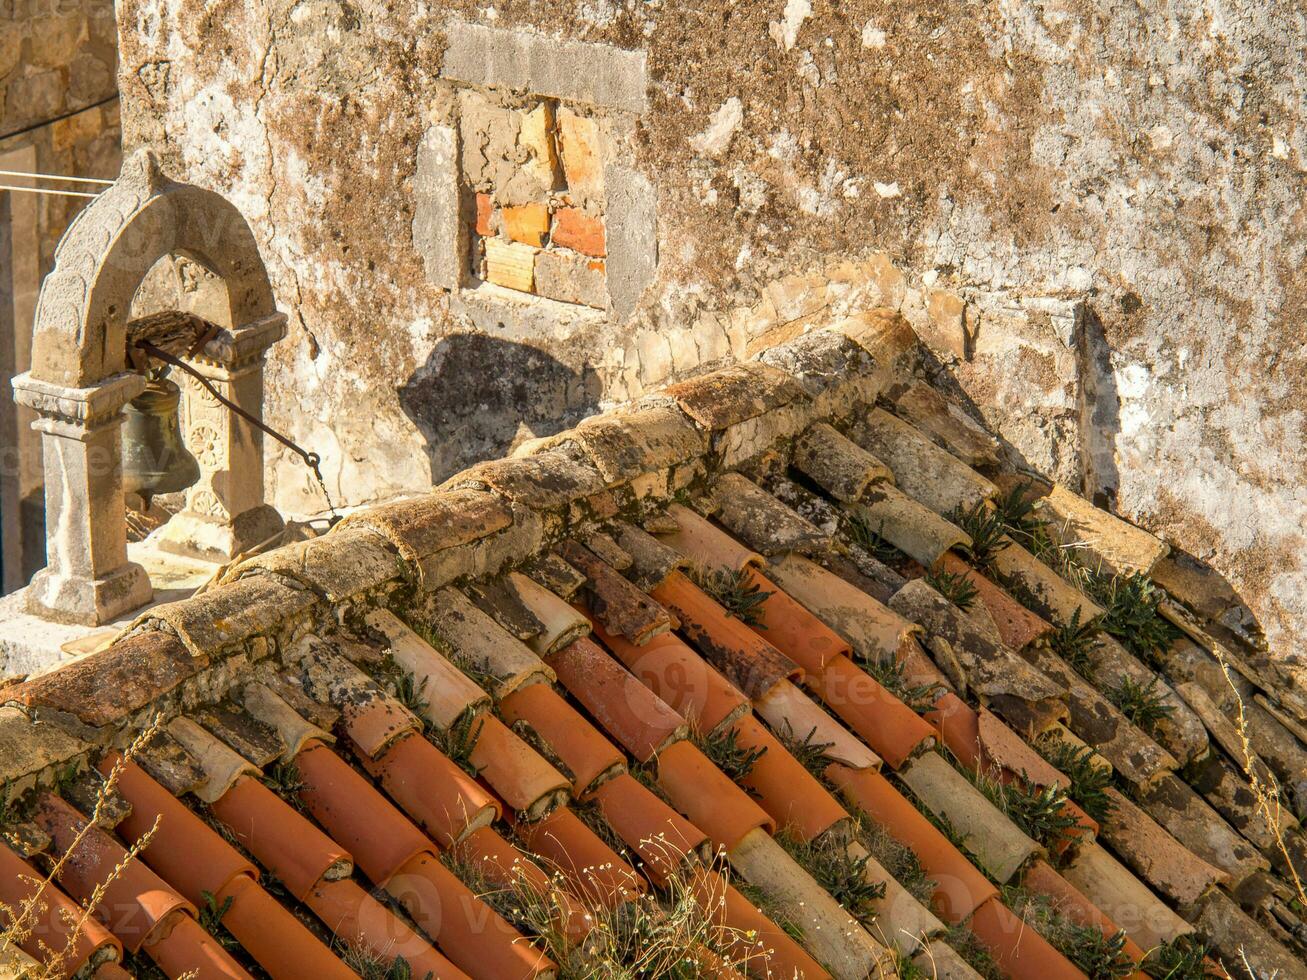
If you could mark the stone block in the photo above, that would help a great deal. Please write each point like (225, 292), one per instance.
(945, 326)
(526, 223)
(598, 74)
(537, 138)
(511, 264)
(571, 278)
(81, 128)
(577, 230)
(632, 216)
(584, 151)
(438, 233)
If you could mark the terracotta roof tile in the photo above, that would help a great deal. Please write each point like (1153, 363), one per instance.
(421, 526)
(616, 603)
(219, 620)
(926, 473)
(624, 445)
(107, 687)
(337, 566)
(1105, 539)
(948, 425)
(837, 464)
(759, 520)
(735, 394)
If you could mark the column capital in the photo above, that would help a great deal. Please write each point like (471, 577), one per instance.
(79, 408)
(242, 346)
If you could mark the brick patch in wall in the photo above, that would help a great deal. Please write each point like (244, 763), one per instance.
(529, 157)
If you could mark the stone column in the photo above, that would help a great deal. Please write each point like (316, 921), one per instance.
(225, 513)
(87, 579)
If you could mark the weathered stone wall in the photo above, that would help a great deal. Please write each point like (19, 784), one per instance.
(58, 115)
(1092, 210)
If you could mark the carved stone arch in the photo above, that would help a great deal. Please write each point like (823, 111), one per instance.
(79, 336)
(79, 384)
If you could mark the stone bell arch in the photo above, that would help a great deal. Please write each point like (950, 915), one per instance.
(79, 383)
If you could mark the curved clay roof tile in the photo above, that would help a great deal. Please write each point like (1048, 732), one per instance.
(361, 820)
(793, 630)
(616, 603)
(1017, 625)
(516, 771)
(274, 937)
(185, 851)
(358, 919)
(50, 927)
(662, 839)
(592, 869)
(746, 659)
(472, 934)
(137, 904)
(444, 800)
(752, 938)
(876, 632)
(284, 842)
(188, 951)
(488, 856)
(626, 709)
(1020, 952)
(681, 678)
(703, 793)
(959, 887)
(1072, 904)
(792, 713)
(884, 722)
(446, 691)
(788, 792)
(589, 757)
(703, 543)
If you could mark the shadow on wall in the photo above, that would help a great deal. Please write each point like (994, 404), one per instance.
(478, 396)
(1098, 426)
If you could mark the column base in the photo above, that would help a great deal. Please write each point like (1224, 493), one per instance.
(203, 537)
(88, 602)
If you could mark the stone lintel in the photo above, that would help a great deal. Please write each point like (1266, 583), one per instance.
(581, 71)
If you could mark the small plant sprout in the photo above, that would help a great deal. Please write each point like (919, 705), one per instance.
(1143, 704)
(1132, 616)
(724, 749)
(734, 592)
(872, 541)
(1089, 779)
(459, 739)
(985, 527)
(1072, 642)
(810, 753)
(953, 586)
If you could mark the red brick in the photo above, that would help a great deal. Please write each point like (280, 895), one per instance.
(527, 224)
(485, 211)
(576, 230)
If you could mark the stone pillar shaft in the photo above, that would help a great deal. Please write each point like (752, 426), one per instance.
(88, 578)
(225, 513)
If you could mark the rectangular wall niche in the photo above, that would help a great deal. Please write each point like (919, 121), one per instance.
(537, 173)
(527, 185)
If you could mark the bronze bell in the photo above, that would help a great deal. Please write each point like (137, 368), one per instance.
(155, 459)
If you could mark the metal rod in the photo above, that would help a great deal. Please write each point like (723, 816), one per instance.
(312, 460)
(46, 190)
(69, 180)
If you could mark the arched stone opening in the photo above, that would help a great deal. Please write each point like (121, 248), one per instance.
(80, 381)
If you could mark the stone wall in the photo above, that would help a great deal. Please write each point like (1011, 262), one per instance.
(58, 115)
(1091, 210)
